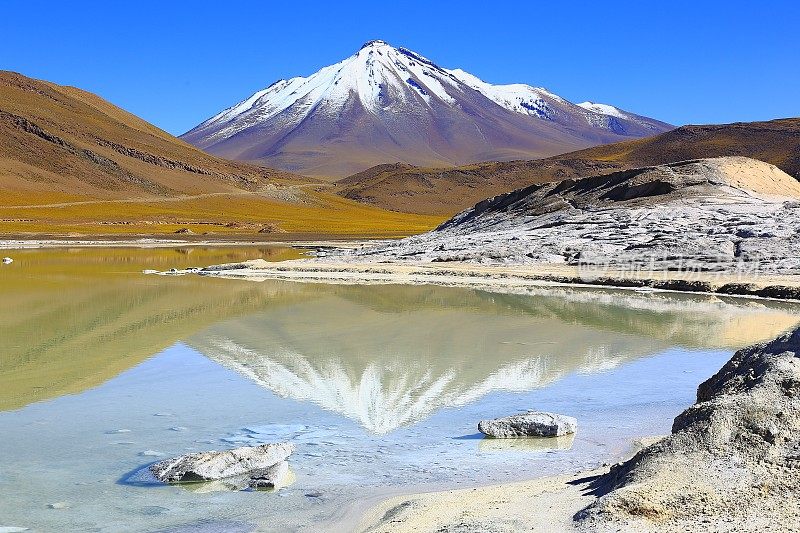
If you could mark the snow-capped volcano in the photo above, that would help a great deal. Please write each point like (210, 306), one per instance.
(386, 104)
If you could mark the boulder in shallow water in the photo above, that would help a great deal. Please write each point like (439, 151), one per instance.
(213, 465)
(530, 424)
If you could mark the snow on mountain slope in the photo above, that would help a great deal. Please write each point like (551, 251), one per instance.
(603, 109)
(516, 97)
(386, 104)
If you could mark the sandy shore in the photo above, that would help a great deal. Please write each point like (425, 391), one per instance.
(546, 505)
(512, 278)
(500, 276)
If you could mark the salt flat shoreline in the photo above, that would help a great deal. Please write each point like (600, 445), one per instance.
(511, 278)
(501, 276)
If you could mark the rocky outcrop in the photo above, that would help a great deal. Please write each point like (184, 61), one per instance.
(732, 461)
(730, 215)
(253, 461)
(530, 424)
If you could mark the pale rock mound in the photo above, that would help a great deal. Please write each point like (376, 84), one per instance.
(732, 461)
(723, 214)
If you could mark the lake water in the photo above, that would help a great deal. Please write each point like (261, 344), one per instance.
(104, 370)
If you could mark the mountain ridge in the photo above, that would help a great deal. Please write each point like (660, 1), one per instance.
(385, 104)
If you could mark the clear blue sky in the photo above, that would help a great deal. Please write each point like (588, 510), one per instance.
(177, 63)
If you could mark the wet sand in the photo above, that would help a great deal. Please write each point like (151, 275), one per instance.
(546, 504)
(541, 505)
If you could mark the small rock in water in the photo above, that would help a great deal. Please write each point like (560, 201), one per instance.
(13, 529)
(214, 465)
(57, 505)
(7, 260)
(530, 424)
(150, 453)
(179, 428)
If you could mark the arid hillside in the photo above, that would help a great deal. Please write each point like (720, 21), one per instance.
(449, 190)
(71, 162)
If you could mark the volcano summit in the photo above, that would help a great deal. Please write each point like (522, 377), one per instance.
(385, 104)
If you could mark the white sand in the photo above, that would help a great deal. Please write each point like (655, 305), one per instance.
(499, 277)
(546, 504)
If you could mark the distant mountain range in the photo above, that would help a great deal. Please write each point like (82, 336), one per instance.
(385, 104)
(446, 191)
(71, 162)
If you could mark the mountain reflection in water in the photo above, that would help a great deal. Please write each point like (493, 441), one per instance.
(389, 356)
(385, 356)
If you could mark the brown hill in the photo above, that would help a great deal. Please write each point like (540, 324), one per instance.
(71, 162)
(449, 190)
(63, 139)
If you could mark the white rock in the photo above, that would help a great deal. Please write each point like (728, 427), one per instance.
(213, 465)
(531, 424)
